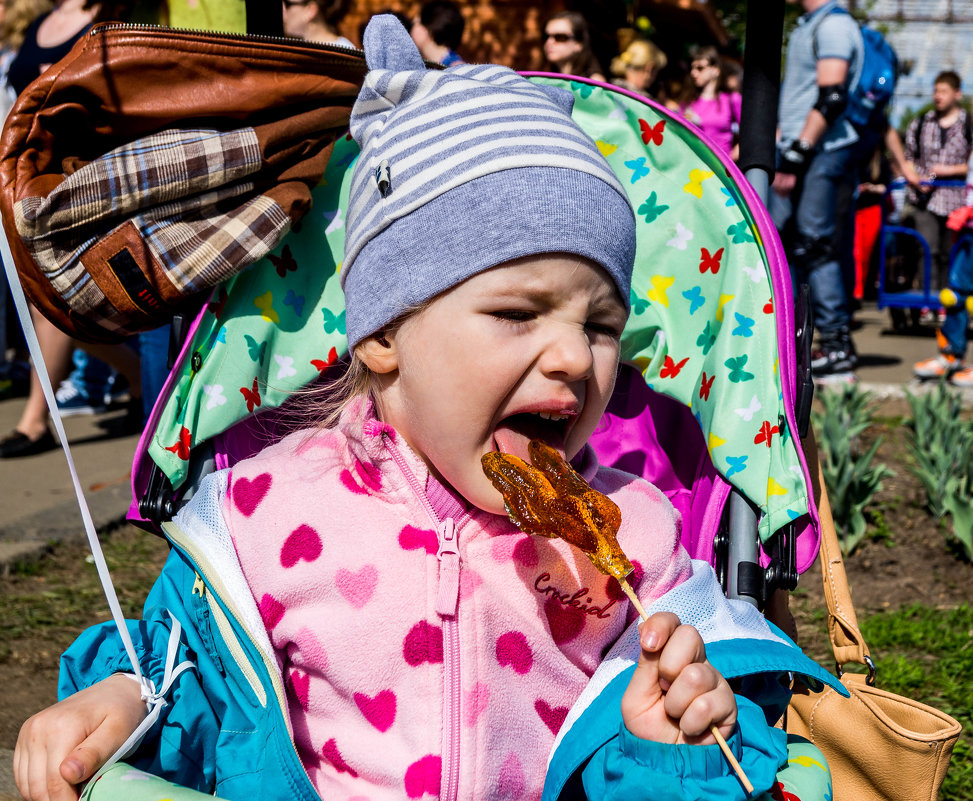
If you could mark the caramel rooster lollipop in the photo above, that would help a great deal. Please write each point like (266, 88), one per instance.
(550, 499)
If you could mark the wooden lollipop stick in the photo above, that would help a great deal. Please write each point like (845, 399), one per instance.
(627, 589)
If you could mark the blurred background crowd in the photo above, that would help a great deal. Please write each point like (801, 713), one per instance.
(684, 54)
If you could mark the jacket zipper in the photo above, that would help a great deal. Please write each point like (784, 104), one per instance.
(217, 590)
(447, 601)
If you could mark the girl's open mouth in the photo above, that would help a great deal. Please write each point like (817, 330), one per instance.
(514, 433)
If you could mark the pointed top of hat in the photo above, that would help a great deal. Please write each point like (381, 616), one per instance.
(388, 45)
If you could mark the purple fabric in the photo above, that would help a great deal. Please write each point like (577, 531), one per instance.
(718, 118)
(657, 438)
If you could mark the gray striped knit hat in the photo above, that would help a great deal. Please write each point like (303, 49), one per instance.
(461, 170)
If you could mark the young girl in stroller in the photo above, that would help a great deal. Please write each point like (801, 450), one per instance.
(416, 641)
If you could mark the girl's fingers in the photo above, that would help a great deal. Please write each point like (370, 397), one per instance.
(655, 632)
(683, 648)
(695, 680)
(58, 788)
(699, 698)
(717, 707)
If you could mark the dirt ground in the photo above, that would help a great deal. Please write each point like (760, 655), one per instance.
(910, 564)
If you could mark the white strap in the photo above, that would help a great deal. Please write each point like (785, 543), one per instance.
(154, 699)
(39, 366)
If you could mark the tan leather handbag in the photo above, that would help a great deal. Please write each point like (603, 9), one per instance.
(880, 746)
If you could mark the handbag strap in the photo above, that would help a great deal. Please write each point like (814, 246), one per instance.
(847, 641)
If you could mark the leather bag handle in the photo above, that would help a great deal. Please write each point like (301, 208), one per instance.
(847, 641)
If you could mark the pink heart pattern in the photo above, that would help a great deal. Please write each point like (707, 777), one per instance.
(331, 753)
(423, 643)
(565, 622)
(424, 776)
(271, 611)
(514, 650)
(300, 684)
(614, 590)
(370, 475)
(477, 699)
(358, 587)
(310, 649)
(302, 543)
(412, 538)
(502, 548)
(248, 494)
(553, 717)
(511, 783)
(469, 580)
(525, 553)
(379, 711)
(348, 481)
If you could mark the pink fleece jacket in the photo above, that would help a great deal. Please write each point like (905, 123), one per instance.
(427, 647)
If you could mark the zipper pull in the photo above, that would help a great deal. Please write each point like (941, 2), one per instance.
(448, 555)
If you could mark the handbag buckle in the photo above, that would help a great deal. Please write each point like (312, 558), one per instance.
(869, 663)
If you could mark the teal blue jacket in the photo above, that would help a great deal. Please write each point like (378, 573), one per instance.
(225, 730)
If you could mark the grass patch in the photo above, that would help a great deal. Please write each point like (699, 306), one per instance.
(927, 654)
(49, 601)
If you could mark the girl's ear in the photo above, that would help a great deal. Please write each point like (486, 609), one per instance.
(379, 353)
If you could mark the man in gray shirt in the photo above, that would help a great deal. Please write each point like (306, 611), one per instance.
(819, 153)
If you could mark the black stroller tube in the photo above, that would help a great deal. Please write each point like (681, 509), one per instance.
(761, 88)
(758, 135)
(265, 17)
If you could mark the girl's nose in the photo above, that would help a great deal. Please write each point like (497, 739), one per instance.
(568, 355)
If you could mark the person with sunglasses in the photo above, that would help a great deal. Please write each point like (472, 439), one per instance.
(567, 46)
(708, 103)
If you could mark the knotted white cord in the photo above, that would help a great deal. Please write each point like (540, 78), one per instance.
(155, 700)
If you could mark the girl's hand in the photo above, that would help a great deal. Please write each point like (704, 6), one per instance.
(675, 695)
(65, 744)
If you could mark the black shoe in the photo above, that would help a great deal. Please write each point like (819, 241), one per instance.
(17, 444)
(834, 356)
(134, 420)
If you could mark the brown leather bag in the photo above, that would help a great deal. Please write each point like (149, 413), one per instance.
(880, 746)
(151, 164)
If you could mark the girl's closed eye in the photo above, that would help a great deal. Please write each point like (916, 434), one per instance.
(515, 316)
(602, 328)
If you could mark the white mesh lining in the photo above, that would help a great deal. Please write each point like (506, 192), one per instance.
(699, 602)
(202, 522)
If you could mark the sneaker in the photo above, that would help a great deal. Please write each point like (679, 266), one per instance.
(962, 378)
(71, 401)
(834, 356)
(944, 364)
(18, 444)
(116, 391)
